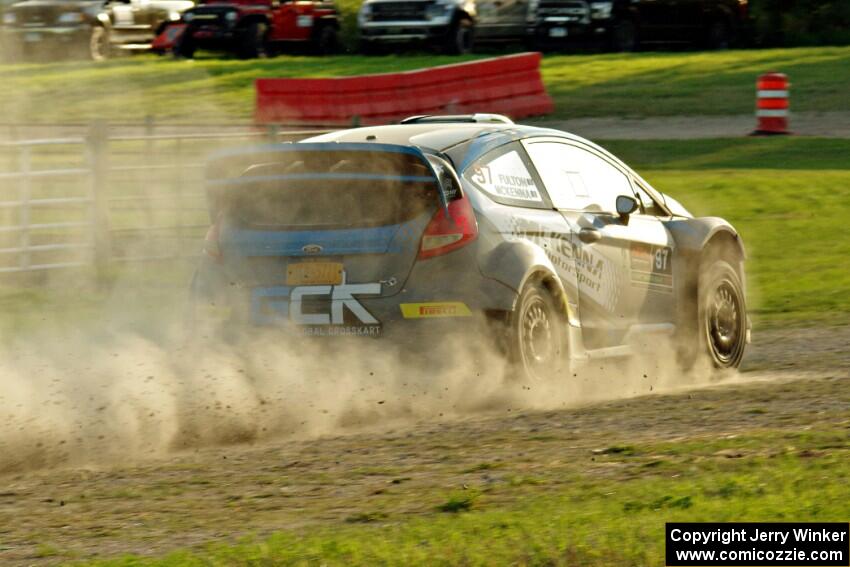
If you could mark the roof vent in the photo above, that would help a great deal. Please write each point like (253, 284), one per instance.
(458, 118)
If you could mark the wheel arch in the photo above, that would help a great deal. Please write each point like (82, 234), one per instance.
(694, 236)
(515, 264)
(102, 20)
(462, 14)
(328, 20)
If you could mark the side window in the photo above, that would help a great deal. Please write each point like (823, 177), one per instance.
(505, 176)
(578, 179)
(647, 203)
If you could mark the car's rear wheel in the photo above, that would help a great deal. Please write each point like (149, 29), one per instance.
(100, 47)
(185, 46)
(254, 41)
(326, 41)
(460, 38)
(718, 35)
(624, 36)
(722, 315)
(537, 335)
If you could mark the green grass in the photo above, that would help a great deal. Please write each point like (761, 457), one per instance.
(789, 198)
(614, 518)
(221, 90)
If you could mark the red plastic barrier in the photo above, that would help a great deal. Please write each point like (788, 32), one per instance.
(509, 85)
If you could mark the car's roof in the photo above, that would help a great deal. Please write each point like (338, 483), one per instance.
(437, 136)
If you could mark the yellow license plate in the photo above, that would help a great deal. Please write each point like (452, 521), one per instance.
(314, 273)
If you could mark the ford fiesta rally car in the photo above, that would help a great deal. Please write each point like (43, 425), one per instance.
(441, 223)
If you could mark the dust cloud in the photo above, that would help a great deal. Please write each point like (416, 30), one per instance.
(117, 395)
(102, 400)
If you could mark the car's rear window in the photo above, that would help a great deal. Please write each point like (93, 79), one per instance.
(323, 189)
(328, 203)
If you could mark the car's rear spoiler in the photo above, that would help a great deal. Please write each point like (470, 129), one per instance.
(233, 167)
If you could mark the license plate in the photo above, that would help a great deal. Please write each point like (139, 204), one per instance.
(32, 36)
(557, 32)
(314, 273)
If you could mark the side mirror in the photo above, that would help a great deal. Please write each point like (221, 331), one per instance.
(626, 205)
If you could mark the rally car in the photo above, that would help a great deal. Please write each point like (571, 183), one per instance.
(561, 251)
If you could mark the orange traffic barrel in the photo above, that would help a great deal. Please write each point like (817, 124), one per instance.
(772, 104)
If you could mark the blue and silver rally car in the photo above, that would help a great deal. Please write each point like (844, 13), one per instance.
(403, 232)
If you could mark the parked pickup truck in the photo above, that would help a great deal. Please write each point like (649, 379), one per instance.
(92, 29)
(252, 28)
(455, 26)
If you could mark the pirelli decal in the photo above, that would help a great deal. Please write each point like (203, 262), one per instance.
(651, 266)
(431, 310)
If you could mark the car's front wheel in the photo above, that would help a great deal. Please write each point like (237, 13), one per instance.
(537, 335)
(722, 314)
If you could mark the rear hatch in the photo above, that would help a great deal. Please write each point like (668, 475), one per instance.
(322, 214)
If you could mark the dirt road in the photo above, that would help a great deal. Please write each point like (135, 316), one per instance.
(793, 380)
(822, 124)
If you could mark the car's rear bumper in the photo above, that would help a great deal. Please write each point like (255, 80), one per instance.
(554, 32)
(439, 295)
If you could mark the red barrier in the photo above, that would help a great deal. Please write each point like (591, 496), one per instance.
(772, 104)
(508, 85)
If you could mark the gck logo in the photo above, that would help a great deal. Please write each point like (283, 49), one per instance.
(342, 297)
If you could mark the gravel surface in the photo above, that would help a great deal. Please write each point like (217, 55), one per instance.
(792, 380)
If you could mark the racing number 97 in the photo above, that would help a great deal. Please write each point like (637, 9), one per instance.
(661, 255)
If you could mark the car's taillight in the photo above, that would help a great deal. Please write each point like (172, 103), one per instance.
(449, 232)
(212, 247)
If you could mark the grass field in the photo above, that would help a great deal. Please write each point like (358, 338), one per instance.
(789, 198)
(221, 90)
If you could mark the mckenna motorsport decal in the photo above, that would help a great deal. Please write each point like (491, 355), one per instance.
(651, 266)
(321, 310)
(431, 310)
(598, 277)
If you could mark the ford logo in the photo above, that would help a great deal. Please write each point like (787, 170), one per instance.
(312, 249)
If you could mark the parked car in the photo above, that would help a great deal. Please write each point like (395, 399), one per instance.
(83, 27)
(455, 26)
(625, 25)
(451, 25)
(465, 226)
(252, 28)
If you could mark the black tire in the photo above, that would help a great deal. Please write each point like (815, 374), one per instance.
(460, 38)
(537, 343)
(722, 312)
(718, 35)
(624, 36)
(185, 47)
(326, 40)
(253, 41)
(100, 46)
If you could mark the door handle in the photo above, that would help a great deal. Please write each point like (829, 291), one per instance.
(589, 235)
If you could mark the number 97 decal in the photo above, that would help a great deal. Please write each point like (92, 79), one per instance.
(651, 266)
